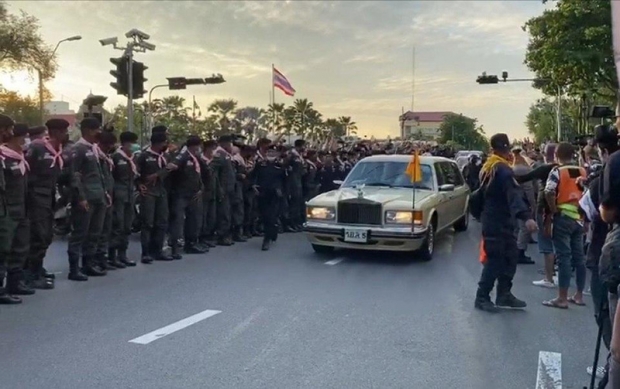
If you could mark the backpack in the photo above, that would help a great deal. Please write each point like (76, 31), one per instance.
(476, 200)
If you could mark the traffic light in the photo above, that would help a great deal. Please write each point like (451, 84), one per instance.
(177, 83)
(121, 75)
(138, 80)
(485, 79)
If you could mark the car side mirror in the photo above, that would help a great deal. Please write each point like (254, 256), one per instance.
(338, 182)
(446, 188)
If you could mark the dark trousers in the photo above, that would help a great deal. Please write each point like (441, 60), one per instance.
(296, 207)
(268, 204)
(224, 215)
(237, 208)
(122, 221)
(600, 295)
(209, 218)
(14, 247)
(249, 211)
(106, 233)
(41, 216)
(283, 211)
(154, 223)
(187, 218)
(86, 229)
(501, 265)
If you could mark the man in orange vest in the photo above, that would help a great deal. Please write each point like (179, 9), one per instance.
(562, 193)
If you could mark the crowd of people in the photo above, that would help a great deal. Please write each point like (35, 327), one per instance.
(570, 195)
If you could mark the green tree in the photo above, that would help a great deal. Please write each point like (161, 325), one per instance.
(303, 109)
(23, 109)
(464, 131)
(21, 45)
(349, 127)
(571, 45)
(335, 128)
(224, 111)
(251, 122)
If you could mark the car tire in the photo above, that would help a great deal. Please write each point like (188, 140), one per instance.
(322, 249)
(428, 246)
(463, 223)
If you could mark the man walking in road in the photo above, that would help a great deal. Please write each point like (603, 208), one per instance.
(226, 178)
(503, 203)
(46, 163)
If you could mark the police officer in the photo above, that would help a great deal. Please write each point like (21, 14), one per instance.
(45, 157)
(209, 178)
(89, 202)
(107, 144)
(125, 173)
(249, 195)
(6, 131)
(226, 177)
(237, 201)
(296, 171)
(152, 171)
(268, 178)
(15, 236)
(504, 203)
(187, 201)
(329, 172)
(311, 177)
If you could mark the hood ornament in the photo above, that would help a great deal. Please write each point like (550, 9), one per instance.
(360, 192)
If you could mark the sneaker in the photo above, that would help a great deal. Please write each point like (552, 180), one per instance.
(544, 283)
(485, 305)
(509, 301)
(588, 292)
(600, 371)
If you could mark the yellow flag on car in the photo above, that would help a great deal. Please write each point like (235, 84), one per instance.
(414, 170)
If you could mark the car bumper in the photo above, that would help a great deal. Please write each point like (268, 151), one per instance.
(379, 238)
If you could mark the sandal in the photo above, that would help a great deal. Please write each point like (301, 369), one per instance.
(573, 301)
(554, 304)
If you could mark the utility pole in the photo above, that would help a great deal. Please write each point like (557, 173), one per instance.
(559, 113)
(129, 54)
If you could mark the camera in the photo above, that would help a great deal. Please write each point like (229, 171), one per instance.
(108, 41)
(135, 33)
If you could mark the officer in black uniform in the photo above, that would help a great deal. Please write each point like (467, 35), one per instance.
(153, 170)
(89, 202)
(329, 172)
(45, 157)
(226, 177)
(209, 178)
(296, 171)
(268, 179)
(311, 183)
(123, 204)
(187, 200)
(237, 200)
(16, 234)
(250, 215)
(107, 144)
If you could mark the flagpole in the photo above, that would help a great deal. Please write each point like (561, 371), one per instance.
(415, 180)
(273, 99)
(194, 112)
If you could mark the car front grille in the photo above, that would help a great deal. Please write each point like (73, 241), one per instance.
(359, 212)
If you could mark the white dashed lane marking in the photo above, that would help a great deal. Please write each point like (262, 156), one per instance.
(174, 327)
(334, 261)
(549, 375)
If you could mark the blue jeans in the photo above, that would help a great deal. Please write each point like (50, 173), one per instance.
(545, 244)
(568, 245)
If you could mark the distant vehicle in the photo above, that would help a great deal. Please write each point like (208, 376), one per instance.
(462, 157)
(374, 207)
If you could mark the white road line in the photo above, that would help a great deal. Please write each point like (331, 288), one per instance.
(174, 327)
(549, 374)
(334, 261)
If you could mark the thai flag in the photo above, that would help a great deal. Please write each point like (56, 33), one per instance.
(280, 82)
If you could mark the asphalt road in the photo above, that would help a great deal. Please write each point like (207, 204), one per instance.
(289, 319)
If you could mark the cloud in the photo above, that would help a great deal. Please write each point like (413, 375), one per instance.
(368, 58)
(303, 14)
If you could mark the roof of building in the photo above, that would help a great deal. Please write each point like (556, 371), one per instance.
(426, 116)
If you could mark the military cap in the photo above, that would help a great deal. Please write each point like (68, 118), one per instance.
(158, 137)
(161, 129)
(128, 137)
(37, 130)
(193, 140)
(20, 129)
(57, 124)
(90, 123)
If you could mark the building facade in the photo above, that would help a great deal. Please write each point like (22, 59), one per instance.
(421, 125)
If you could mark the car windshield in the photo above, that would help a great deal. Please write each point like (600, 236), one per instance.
(390, 174)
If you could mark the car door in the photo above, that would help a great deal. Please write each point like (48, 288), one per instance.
(451, 176)
(443, 203)
(461, 192)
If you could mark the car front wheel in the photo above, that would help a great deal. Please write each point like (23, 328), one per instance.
(428, 247)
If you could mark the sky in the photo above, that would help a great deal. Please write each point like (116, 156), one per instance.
(349, 58)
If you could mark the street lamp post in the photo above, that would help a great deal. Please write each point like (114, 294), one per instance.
(40, 74)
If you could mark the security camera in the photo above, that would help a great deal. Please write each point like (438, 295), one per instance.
(137, 33)
(108, 41)
(146, 45)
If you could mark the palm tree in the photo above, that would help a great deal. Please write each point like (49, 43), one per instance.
(223, 110)
(335, 127)
(315, 126)
(251, 121)
(303, 108)
(275, 117)
(350, 127)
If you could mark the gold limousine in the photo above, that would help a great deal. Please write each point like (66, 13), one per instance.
(378, 207)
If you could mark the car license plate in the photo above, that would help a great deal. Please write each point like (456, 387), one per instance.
(357, 236)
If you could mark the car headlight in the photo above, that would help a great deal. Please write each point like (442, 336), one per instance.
(321, 213)
(403, 217)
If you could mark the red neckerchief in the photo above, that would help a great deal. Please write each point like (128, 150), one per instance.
(161, 160)
(134, 168)
(93, 146)
(56, 154)
(10, 153)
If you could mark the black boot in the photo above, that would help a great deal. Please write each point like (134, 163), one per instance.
(146, 259)
(266, 244)
(74, 271)
(42, 283)
(7, 299)
(122, 258)
(114, 261)
(238, 237)
(46, 274)
(90, 269)
(161, 256)
(225, 242)
(102, 262)
(524, 259)
(192, 247)
(15, 285)
(508, 300)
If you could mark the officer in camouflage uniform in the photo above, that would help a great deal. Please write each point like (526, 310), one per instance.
(89, 203)
(6, 131)
(209, 195)
(237, 201)
(16, 232)
(187, 200)
(107, 144)
(153, 171)
(296, 171)
(283, 207)
(123, 204)
(45, 157)
(249, 195)
(226, 178)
